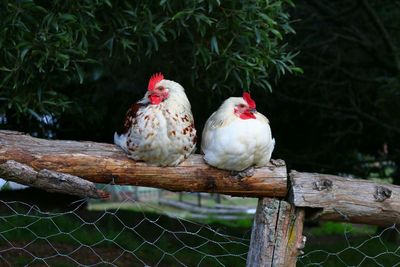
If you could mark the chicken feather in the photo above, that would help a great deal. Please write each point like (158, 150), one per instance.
(160, 133)
(232, 143)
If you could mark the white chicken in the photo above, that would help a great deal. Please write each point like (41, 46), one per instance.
(236, 137)
(159, 129)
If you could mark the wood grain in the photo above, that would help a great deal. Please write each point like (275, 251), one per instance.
(276, 236)
(336, 198)
(106, 163)
(50, 181)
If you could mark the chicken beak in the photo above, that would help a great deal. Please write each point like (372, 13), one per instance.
(252, 110)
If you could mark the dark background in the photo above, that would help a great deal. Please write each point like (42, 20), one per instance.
(339, 113)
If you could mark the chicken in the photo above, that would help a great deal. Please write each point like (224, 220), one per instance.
(159, 129)
(236, 137)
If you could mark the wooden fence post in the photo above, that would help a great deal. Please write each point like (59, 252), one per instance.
(276, 237)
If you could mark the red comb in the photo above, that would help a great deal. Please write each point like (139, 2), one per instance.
(247, 98)
(156, 78)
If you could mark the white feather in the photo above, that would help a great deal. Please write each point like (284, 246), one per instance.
(235, 144)
(120, 140)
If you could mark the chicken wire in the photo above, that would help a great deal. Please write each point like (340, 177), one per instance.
(30, 236)
(379, 249)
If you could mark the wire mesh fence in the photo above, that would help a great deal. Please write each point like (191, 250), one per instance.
(355, 245)
(127, 233)
(137, 233)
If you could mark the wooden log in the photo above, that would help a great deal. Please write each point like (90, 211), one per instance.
(276, 237)
(106, 163)
(337, 198)
(290, 241)
(50, 181)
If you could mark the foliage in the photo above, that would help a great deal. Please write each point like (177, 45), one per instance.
(376, 169)
(49, 48)
(346, 104)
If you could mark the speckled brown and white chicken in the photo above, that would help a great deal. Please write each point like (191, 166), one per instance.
(159, 129)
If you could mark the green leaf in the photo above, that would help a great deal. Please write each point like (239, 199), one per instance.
(277, 33)
(80, 73)
(68, 17)
(297, 70)
(110, 44)
(24, 52)
(270, 21)
(214, 45)
(3, 68)
(158, 27)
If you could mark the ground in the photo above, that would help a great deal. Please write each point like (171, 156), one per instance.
(136, 234)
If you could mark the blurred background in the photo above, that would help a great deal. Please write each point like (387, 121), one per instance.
(325, 73)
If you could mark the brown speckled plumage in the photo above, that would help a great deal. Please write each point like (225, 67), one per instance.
(160, 134)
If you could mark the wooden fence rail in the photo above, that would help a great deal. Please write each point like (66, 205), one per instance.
(105, 163)
(335, 198)
(283, 203)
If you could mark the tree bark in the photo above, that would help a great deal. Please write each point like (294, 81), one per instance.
(49, 180)
(106, 163)
(336, 198)
(276, 237)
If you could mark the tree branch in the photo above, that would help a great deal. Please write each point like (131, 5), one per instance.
(381, 28)
(354, 110)
(49, 180)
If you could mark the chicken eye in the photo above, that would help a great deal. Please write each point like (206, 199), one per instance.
(242, 106)
(160, 88)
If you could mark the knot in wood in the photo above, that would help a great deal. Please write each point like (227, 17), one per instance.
(382, 193)
(323, 184)
(278, 162)
(210, 184)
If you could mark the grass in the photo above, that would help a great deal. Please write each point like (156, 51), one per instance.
(361, 252)
(124, 236)
(132, 236)
(335, 228)
(341, 244)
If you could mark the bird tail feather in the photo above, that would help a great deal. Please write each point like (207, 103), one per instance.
(120, 140)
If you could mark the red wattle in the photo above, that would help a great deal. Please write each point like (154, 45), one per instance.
(247, 115)
(155, 99)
